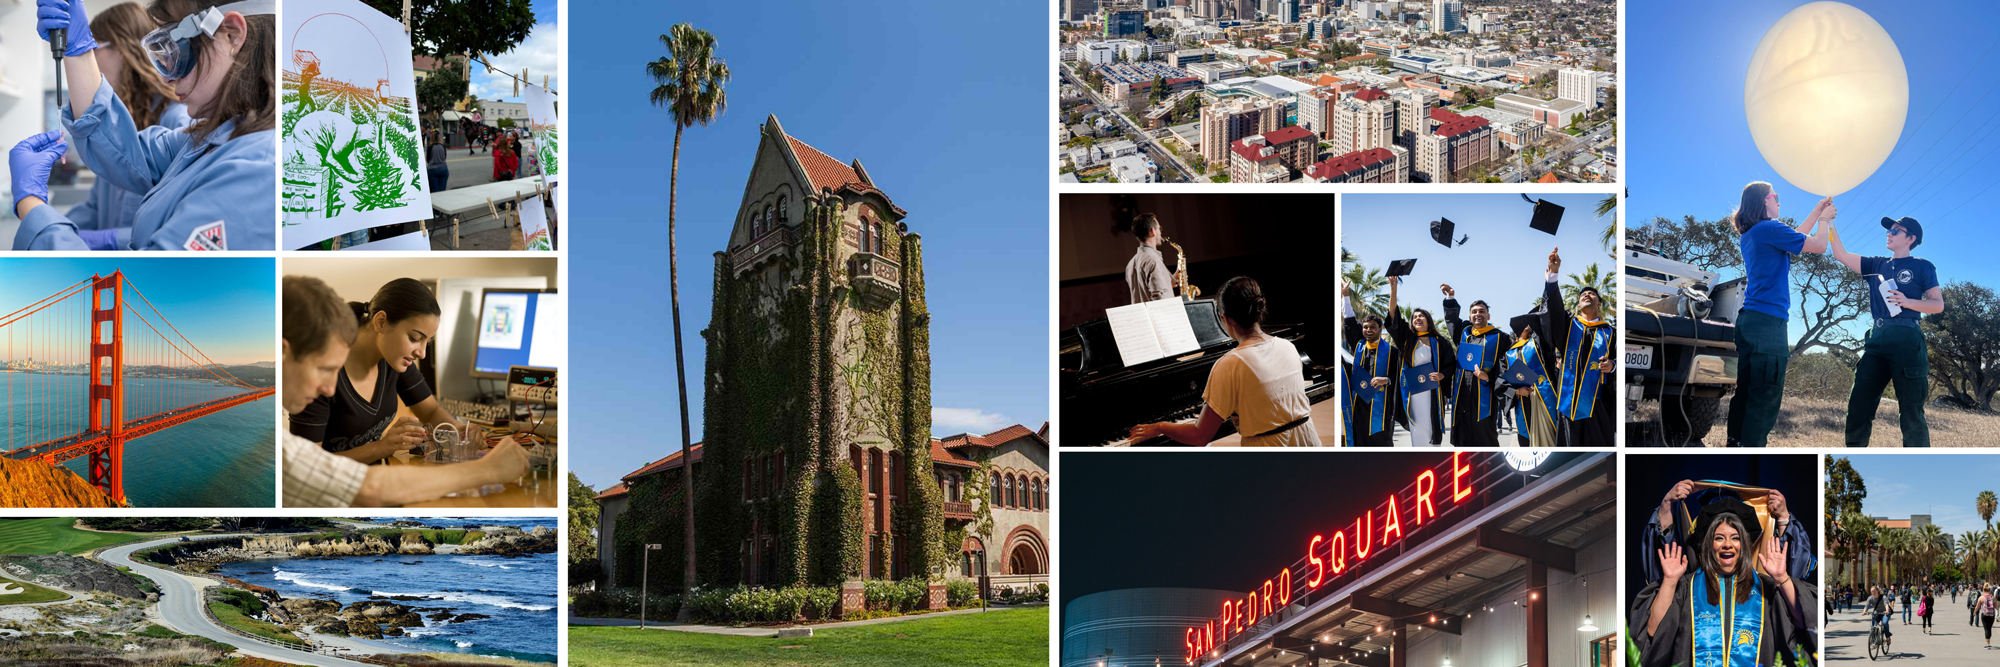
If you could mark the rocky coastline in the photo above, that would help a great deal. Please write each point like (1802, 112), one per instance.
(206, 556)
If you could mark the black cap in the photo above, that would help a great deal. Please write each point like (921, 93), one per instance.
(1518, 322)
(1747, 515)
(1547, 217)
(1441, 231)
(1402, 267)
(1909, 223)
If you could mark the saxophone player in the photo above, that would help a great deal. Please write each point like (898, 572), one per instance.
(1146, 274)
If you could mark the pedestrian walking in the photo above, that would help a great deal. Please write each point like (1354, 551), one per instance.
(1925, 607)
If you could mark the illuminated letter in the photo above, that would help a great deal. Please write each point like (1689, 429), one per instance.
(1267, 598)
(1209, 644)
(1250, 608)
(1426, 483)
(1319, 566)
(1228, 617)
(1285, 586)
(1361, 546)
(1459, 492)
(1339, 552)
(1392, 524)
(1187, 639)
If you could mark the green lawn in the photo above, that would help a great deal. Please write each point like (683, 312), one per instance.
(30, 593)
(47, 536)
(1007, 637)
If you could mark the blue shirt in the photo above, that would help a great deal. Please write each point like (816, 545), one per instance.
(1767, 261)
(110, 206)
(1913, 276)
(215, 193)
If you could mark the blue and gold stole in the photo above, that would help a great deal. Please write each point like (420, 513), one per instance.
(1588, 340)
(1489, 336)
(1524, 352)
(1427, 340)
(1376, 358)
(1726, 635)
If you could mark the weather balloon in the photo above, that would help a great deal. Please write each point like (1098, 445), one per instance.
(1826, 96)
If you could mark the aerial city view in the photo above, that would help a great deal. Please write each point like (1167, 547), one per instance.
(1298, 91)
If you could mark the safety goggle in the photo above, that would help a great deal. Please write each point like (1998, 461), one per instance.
(171, 47)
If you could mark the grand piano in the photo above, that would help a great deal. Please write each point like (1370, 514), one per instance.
(1102, 399)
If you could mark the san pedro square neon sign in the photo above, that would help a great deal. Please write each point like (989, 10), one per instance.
(1330, 556)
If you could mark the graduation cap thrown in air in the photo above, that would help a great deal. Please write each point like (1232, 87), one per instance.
(1402, 267)
(1441, 229)
(1518, 322)
(1547, 216)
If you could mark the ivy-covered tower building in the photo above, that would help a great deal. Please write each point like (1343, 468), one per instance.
(817, 466)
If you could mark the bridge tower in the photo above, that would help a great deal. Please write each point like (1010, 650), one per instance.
(107, 384)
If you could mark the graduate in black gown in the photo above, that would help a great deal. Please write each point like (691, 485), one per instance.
(1370, 423)
(1420, 331)
(1475, 389)
(1586, 391)
(1725, 600)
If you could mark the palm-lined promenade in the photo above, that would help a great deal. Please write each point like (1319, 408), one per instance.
(1911, 527)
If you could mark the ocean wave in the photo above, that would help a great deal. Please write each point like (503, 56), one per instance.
(300, 579)
(474, 562)
(462, 644)
(474, 598)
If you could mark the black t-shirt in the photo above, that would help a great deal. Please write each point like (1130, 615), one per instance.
(347, 419)
(1914, 276)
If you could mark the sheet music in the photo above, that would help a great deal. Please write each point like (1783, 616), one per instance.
(1170, 321)
(1132, 330)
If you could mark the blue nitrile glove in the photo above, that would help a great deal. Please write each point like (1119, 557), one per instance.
(99, 239)
(29, 163)
(67, 14)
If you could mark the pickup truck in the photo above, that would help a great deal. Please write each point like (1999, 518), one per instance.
(1680, 348)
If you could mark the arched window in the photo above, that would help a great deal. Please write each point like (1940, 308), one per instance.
(1045, 495)
(784, 212)
(1013, 497)
(1035, 495)
(769, 217)
(866, 243)
(993, 496)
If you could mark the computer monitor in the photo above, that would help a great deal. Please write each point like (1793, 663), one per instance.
(519, 326)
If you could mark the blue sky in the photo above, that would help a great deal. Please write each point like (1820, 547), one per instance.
(223, 305)
(1503, 262)
(1691, 152)
(949, 127)
(539, 53)
(1941, 485)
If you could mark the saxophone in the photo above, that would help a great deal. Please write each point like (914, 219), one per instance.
(1180, 270)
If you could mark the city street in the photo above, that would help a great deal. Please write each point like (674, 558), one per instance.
(1951, 641)
(1159, 153)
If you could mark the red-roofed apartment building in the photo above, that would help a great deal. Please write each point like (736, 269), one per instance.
(1224, 122)
(1451, 144)
(1373, 165)
(1015, 555)
(1272, 157)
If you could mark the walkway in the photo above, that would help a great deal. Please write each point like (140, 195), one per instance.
(1951, 641)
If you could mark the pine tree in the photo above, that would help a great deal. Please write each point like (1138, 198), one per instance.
(381, 183)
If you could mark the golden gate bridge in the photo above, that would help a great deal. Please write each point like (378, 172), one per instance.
(90, 329)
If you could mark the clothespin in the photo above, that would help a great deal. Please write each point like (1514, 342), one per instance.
(406, 17)
(545, 84)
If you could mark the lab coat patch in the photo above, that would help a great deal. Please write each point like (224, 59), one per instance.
(207, 238)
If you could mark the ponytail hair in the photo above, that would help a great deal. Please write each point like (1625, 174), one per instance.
(1243, 302)
(400, 299)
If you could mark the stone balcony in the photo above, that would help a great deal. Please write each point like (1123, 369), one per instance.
(877, 279)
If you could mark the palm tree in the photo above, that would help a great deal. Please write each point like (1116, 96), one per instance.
(1968, 551)
(688, 83)
(1930, 544)
(1369, 295)
(1859, 532)
(1986, 503)
(1608, 237)
(1605, 282)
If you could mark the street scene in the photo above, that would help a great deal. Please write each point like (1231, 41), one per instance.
(1295, 91)
(1910, 544)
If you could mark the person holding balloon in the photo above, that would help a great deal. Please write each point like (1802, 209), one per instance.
(1894, 348)
(1763, 349)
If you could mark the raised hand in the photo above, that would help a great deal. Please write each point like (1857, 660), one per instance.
(1777, 504)
(1437, 377)
(1771, 559)
(1673, 563)
(1346, 290)
(1681, 489)
(1449, 293)
(1555, 260)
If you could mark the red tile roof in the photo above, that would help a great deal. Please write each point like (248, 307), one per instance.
(1258, 152)
(1548, 178)
(994, 439)
(1370, 94)
(1286, 134)
(1444, 115)
(949, 456)
(822, 170)
(616, 490)
(670, 462)
(1462, 125)
(1350, 163)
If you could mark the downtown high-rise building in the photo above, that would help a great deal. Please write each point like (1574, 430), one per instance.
(1447, 16)
(1364, 120)
(1223, 123)
(1577, 84)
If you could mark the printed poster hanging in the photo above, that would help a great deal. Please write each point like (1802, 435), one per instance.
(542, 124)
(352, 157)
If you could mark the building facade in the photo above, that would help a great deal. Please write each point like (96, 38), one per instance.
(1453, 144)
(1225, 122)
(1375, 165)
(1577, 84)
(1271, 157)
(1363, 121)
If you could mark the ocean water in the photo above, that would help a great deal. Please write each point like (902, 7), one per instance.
(225, 459)
(519, 594)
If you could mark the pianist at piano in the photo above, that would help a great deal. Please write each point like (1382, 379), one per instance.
(1260, 383)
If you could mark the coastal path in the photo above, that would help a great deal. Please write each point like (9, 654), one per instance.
(183, 609)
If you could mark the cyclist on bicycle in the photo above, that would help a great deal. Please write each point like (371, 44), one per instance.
(1879, 607)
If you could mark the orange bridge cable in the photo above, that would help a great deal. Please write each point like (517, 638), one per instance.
(170, 325)
(58, 294)
(37, 307)
(169, 343)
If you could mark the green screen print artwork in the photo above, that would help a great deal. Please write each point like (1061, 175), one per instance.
(353, 155)
(542, 124)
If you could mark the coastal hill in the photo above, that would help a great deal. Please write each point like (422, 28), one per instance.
(38, 484)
